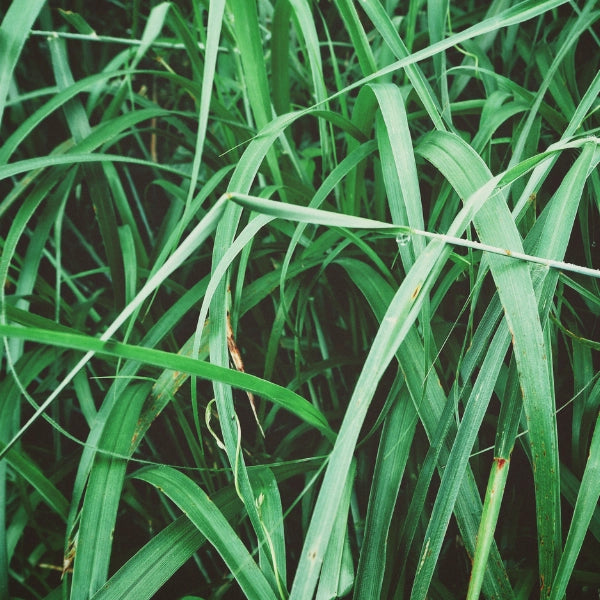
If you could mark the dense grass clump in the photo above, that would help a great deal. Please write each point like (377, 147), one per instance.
(300, 299)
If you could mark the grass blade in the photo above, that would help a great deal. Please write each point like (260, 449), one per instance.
(392, 455)
(211, 523)
(143, 575)
(587, 503)
(99, 511)
(337, 575)
(271, 514)
(14, 31)
(178, 363)
(30, 472)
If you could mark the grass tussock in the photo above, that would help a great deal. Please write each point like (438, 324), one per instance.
(299, 300)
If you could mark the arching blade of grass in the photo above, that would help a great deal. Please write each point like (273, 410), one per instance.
(219, 303)
(32, 164)
(210, 522)
(400, 177)
(30, 472)
(143, 575)
(219, 354)
(99, 513)
(216, 16)
(175, 362)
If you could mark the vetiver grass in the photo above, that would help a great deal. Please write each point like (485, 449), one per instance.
(300, 300)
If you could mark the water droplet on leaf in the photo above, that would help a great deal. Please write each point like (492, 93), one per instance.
(402, 239)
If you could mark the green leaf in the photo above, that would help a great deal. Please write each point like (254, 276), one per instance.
(494, 224)
(587, 503)
(279, 395)
(77, 21)
(209, 520)
(268, 503)
(30, 472)
(392, 455)
(14, 32)
(103, 494)
(143, 575)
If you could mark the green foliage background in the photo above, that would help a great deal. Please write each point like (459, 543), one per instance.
(387, 211)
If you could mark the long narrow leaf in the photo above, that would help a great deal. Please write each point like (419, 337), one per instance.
(211, 523)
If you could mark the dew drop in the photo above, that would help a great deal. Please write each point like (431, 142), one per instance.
(402, 239)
